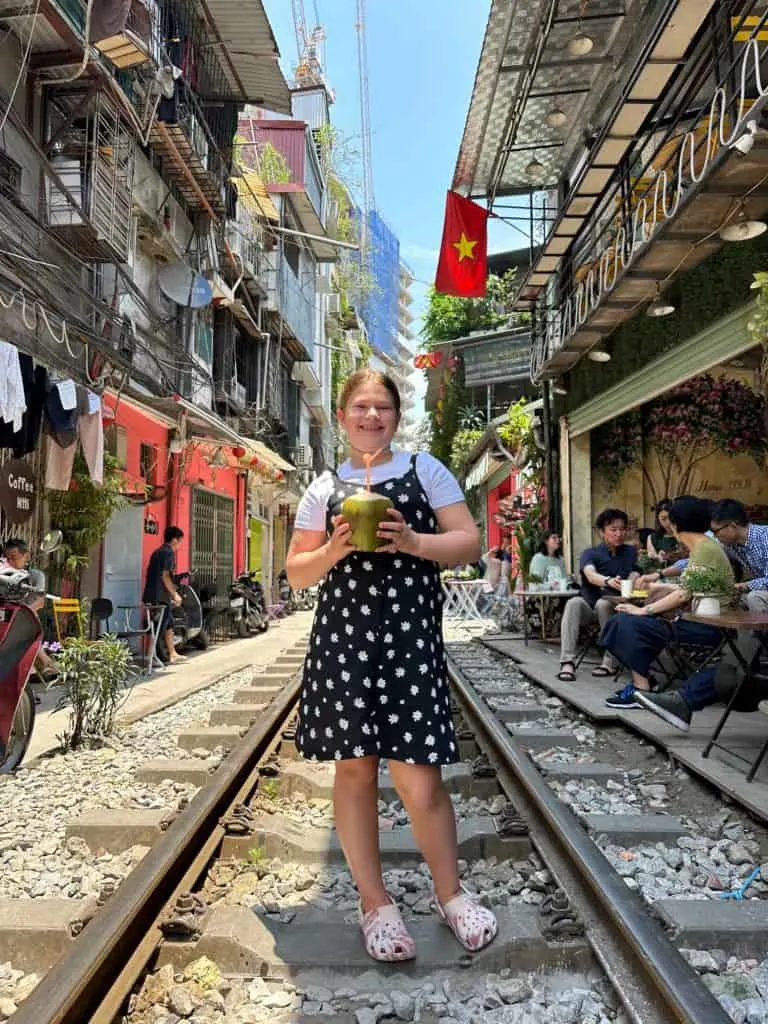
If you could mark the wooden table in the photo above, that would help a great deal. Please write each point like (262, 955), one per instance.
(729, 623)
(542, 597)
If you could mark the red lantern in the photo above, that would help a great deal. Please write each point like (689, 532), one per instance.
(453, 362)
(279, 474)
(238, 451)
(437, 358)
(254, 463)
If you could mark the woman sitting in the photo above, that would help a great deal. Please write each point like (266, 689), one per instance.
(637, 635)
(548, 562)
(662, 543)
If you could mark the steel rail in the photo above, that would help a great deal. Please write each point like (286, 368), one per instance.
(665, 981)
(91, 981)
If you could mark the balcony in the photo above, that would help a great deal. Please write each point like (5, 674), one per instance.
(182, 137)
(296, 176)
(292, 297)
(88, 198)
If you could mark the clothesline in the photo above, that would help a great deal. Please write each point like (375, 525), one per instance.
(33, 400)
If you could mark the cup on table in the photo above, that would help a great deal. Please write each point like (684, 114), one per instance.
(626, 588)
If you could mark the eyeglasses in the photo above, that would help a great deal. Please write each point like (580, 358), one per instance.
(718, 529)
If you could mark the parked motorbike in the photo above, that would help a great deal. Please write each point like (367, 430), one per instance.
(189, 627)
(285, 592)
(247, 605)
(21, 637)
(304, 600)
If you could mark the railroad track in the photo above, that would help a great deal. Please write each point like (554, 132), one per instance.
(243, 911)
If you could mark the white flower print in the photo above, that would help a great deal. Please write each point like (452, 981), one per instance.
(365, 729)
(337, 755)
(352, 584)
(337, 592)
(345, 612)
(408, 736)
(364, 609)
(417, 716)
(318, 664)
(388, 638)
(389, 486)
(358, 702)
(328, 732)
(368, 566)
(329, 684)
(384, 699)
(414, 690)
(349, 630)
(395, 608)
(391, 592)
(348, 569)
(362, 656)
(409, 760)
(398, 563)
(419, 514)
(394, 719)
(314, 686)
(334, 638)
(381, 683)
(358, 752)
(312, 733)
(339, 706)
(370, 635)
(367, 684)
(432, 757)
(324, 620)
(399, 672)
(372, 590)
(405, 626)
(342, 659)
(429, 740)
(423, 668)
(390, 654)
(344, 724)
(420, 643)
(345, 676)
(402, 499)
(408, 581)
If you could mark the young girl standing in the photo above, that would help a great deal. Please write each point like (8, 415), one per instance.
(375, 681)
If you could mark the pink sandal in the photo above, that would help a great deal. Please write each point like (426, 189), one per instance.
(474, 926)
(385, 935)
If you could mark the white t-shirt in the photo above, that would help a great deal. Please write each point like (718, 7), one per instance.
(440, 486)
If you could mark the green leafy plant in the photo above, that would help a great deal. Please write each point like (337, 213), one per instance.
(94, 676)
(273, 166)
(515, 432)
(706, 580)
(83, 513)
(257, 855)
(268, 789)
(463, 443)
(528, 533)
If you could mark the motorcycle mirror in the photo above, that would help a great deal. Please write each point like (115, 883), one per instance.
(51, 541)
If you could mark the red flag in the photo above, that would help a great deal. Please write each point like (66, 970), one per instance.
(463, 265)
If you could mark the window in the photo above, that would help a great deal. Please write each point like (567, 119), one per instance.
(204, 336)
(148, 463)
(10, 176)
(292, 257)
(116, 443)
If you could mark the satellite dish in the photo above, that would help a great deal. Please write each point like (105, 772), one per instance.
(180, 283)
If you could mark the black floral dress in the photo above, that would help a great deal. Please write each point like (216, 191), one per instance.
(375, 679)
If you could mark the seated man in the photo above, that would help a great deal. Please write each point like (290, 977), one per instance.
(748, 544)
(16, 556)
(637, 636)
(602, 569)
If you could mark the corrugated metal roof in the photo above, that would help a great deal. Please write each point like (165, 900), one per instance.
(248, 52)
(524, 72)
(255, 196)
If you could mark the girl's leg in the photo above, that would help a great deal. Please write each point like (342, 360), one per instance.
(432, 821)
(355, 799)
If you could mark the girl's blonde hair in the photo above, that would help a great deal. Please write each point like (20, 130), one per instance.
(366, 376)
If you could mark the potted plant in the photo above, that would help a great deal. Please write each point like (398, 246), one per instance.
(708, 586)
(94, 676)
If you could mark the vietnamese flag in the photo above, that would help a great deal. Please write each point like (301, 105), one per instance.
(462, 268)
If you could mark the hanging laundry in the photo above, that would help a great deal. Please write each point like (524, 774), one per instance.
(60, 459)
(67, 394)
(12, 401)
(59, 422)
(27, 439)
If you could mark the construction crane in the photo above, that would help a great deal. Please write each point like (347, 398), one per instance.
(365, 124)
(310, 47)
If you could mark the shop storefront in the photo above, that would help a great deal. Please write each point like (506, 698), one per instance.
(692, 422)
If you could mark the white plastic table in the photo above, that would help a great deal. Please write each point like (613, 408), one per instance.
(461, 597)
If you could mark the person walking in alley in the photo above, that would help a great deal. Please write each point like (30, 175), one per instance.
(160, 588)
(375, 680)
(602, 570)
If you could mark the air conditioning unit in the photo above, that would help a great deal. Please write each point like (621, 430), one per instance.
(333, 304)
(302, 456)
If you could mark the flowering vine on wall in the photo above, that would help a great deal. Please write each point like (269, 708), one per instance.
(671, 435)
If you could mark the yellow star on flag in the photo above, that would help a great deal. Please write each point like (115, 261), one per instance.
(465, 248)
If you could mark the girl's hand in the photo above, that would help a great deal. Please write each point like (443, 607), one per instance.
(630, 609)
(399, 535)
(340, 543)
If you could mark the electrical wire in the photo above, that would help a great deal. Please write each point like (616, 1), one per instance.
(22, 66)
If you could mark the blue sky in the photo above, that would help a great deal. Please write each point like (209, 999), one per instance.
(422, 56)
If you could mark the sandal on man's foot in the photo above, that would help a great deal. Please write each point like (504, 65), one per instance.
(474, 926)
(602, 672)
(385, 935)
(567, 675)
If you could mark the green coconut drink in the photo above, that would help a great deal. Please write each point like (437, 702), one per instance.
(364, 511)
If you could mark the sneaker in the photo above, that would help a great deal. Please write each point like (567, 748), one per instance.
(668, 705)
(623, 700)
